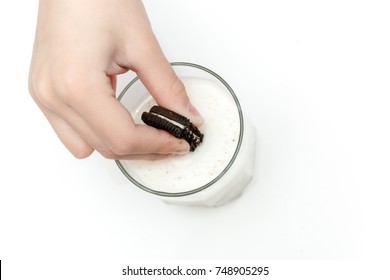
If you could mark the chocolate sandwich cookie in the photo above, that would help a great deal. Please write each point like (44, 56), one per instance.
(174, 123)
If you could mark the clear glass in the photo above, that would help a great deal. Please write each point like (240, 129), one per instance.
(230, 182)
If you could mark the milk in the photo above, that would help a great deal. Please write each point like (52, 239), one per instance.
(218, 170)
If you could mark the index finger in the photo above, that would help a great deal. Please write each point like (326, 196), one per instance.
(158, 76)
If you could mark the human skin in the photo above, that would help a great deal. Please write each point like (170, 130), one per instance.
(80, 47)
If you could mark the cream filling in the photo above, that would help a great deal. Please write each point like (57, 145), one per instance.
(171, 121)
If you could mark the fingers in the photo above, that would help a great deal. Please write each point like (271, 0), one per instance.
(114, 125)
(87, 116)
(167, 89)
(158, 76)
(68, 136)
(76, 136)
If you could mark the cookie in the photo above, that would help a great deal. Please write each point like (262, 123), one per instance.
(174, 123)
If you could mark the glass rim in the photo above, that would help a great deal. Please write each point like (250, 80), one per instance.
(228, 166)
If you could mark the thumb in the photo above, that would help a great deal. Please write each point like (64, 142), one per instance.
(158, 76)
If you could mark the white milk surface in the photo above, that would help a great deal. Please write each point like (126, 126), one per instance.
(221, 131)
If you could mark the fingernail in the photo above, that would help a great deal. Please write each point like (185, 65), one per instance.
(183, 148)
(195, 117)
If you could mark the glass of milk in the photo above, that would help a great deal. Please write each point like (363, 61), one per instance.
(221, 166)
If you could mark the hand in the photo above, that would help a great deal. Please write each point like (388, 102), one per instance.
(80, 48)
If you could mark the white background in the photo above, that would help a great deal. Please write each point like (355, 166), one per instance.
(314, 78)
